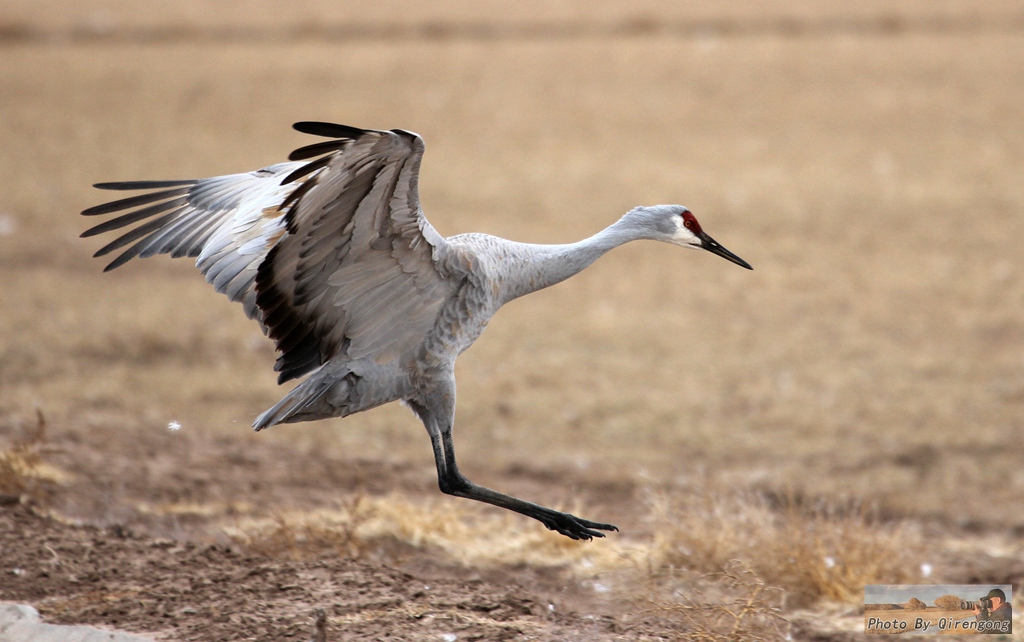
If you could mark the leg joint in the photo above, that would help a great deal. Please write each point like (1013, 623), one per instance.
(453, 484)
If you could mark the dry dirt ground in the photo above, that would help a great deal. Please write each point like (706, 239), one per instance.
(850, 412)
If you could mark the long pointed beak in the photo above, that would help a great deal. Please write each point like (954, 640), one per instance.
(711, 245)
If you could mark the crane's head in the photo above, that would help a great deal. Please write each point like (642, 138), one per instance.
(677, 225)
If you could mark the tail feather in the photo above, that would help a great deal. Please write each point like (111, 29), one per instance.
(324, 394)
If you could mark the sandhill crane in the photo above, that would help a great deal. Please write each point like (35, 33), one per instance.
(334, 258)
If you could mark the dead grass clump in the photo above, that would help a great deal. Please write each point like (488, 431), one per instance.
(914, 604)
(812, 552)
(734, 604)
(467, 535)
(23, 474)
(307, 536)
(948, 602)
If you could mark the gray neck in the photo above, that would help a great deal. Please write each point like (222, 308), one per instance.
(541, 266)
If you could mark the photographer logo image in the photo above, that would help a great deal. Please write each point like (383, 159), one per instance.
(929, 609)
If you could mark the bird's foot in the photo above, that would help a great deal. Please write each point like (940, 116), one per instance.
(574, 527)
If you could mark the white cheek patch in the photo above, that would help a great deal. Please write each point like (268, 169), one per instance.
(683, 236)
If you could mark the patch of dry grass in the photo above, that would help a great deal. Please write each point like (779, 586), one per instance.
(365, 525)
(806, 554)
(814, 552)
(23, 473)
(300, 536)
(742, 607)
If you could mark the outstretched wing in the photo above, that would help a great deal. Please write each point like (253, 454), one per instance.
(355, 276)
(228, 223)
(333, 256)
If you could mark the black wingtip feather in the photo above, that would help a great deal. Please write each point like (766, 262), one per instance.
(133, 217)
(133, 201)
(308, 168)
(123, 258)
(135, 234)
(128, 185)
(328, 130)
(317, 149)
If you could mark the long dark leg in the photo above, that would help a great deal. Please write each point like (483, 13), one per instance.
(452, 482)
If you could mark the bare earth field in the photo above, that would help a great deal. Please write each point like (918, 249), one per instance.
(850, 412)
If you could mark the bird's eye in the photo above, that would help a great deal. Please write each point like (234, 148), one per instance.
(688, 223)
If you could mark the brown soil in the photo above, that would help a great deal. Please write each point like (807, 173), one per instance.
(185, 591)
(111, 566)
(128, 536)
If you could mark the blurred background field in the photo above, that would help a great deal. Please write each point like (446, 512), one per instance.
(863, 387)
